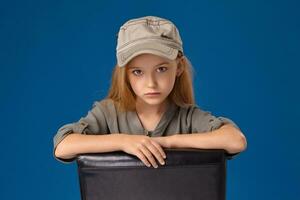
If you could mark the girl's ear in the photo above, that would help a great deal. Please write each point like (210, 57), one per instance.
(179, 69)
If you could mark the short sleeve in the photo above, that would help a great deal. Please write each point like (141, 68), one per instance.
(93, 123)
(204, 121)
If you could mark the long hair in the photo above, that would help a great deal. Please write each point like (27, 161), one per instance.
(124, 97)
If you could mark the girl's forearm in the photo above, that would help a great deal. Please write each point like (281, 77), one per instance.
(76, 143)
(227, 137)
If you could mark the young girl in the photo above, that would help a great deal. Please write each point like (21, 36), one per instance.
(150, 105)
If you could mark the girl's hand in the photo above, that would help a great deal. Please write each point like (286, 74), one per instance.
(144, 148)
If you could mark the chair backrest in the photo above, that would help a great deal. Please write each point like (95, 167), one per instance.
(189, 174)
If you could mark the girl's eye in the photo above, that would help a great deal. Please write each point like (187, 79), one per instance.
(138, 72)
(163, 69)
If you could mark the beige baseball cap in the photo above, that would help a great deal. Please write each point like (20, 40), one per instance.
(149, 34)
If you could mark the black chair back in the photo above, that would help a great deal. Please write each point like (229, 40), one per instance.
(189, 174)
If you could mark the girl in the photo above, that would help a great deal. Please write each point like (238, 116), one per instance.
(150, 105)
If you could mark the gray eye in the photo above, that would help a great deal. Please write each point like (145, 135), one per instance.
(138, 72)
(162, 68)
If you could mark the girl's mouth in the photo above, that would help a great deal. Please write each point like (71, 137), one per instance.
(152, 94)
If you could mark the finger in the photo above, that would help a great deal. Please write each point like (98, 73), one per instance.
(159, 147)
(156, 151)
(143, 158)
(148, 155)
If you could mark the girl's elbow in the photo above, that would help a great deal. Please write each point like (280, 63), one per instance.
(58, 151)
(239, 145)
(237, 141)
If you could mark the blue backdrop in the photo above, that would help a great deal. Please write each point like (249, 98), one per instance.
(56, 59)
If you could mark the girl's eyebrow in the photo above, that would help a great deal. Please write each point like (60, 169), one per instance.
(164, 62)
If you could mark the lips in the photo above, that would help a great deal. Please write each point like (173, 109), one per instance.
(152, 93)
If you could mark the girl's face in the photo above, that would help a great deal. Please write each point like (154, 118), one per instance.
(149, 73)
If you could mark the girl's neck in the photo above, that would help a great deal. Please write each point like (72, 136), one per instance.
(144, 109)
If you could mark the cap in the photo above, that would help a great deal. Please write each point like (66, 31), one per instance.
(149, 34)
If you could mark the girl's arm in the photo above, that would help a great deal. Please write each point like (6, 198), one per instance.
(227, 137)
(76, 143)
(139, 145)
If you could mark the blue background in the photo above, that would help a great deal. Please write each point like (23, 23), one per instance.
(56, 59)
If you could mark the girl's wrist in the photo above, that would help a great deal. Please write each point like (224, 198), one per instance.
(119, 140)
(165, 141)
(171, 140)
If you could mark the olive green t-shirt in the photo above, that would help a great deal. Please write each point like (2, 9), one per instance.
(103, 118)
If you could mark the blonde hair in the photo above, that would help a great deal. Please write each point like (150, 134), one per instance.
(123, 96)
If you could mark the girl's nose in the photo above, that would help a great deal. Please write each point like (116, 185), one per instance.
(151, 80)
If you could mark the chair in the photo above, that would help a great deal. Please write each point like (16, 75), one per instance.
(188, 174)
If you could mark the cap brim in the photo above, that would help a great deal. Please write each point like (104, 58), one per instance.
(150, 47)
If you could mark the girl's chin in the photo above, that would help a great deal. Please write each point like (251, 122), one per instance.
(153, 101)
